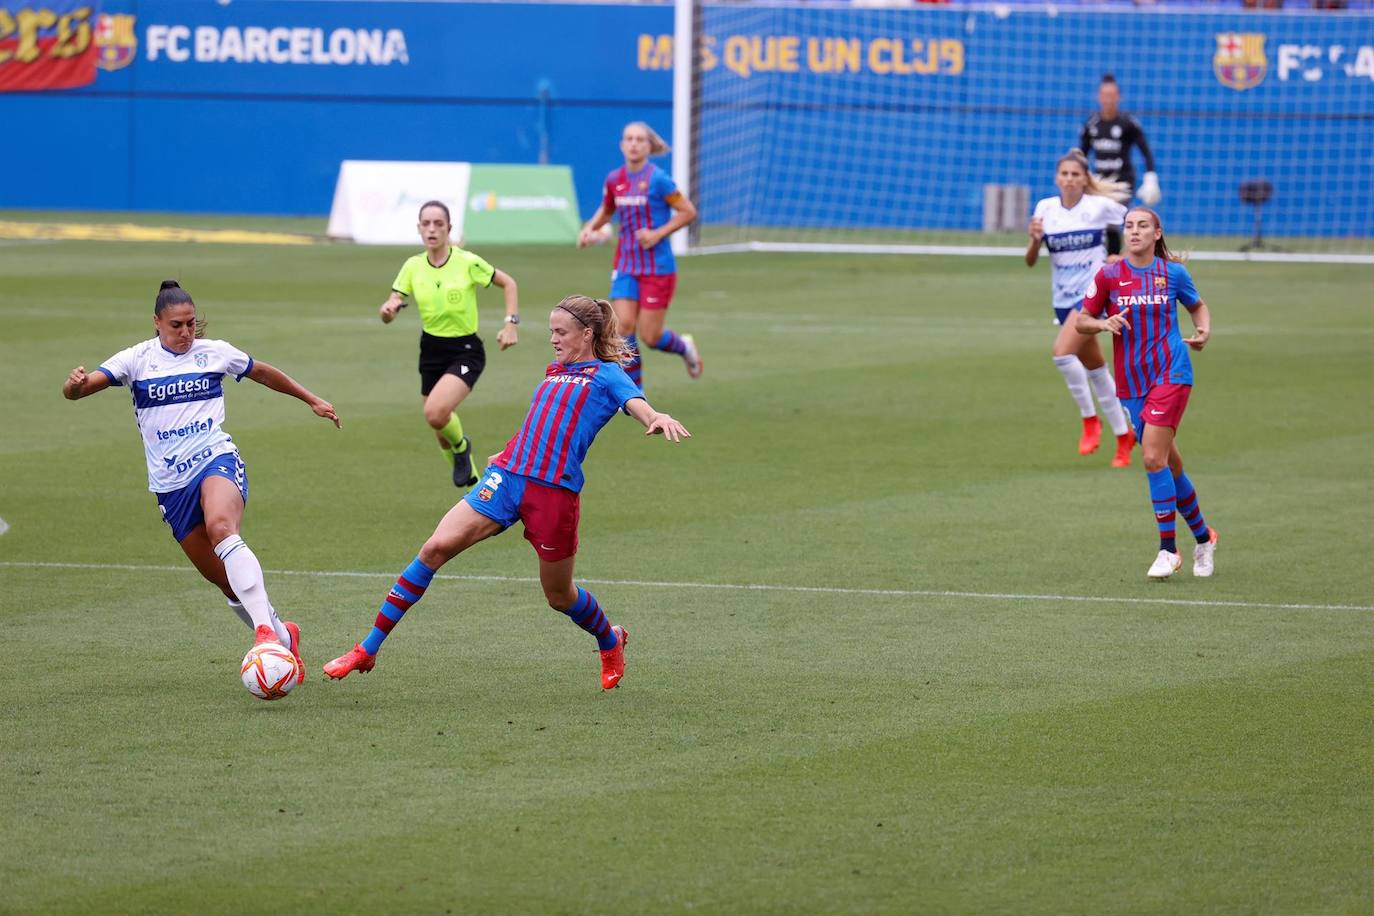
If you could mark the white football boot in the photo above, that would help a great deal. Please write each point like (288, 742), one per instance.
(1165, 565)
(1204, 555)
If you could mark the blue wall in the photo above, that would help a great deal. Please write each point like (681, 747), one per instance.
(909, 150)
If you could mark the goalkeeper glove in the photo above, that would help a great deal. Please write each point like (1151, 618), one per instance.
(1149, 190)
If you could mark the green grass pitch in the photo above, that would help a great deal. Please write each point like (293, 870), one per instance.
(952, 689)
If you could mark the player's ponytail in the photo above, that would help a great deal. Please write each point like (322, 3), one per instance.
(169, 294)
(657, 145)
(1118, 191)
(597, 314)
(1162, 250)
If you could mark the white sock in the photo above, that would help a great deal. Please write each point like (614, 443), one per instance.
(1104, 386)
(1076, 377)
(245, 578)
(283, 633)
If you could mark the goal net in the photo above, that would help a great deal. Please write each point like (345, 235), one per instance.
(813, 125)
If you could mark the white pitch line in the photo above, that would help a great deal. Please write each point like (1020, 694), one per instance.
(729, 586)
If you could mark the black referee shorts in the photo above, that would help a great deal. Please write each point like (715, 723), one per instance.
(464, 357)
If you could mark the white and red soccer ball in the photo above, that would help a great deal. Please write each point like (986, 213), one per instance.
(270, 671)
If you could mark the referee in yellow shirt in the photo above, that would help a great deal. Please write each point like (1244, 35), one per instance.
(443, 283)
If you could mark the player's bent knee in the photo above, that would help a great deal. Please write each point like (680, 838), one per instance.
(560, 601)
(217, 529)
(437, 419)
(438, 551)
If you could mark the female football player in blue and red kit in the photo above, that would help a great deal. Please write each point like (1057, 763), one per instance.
(537, 480)
(650, 208)
(1137, 300)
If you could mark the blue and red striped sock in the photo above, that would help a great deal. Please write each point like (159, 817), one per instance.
(669, 342)
(587, 614)
(409, 588)
(1165, 499)
(635, 368)
(1190, 510)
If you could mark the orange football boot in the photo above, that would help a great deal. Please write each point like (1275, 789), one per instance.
(613, 660)
(1092, 436)
(355, 659)
(295, 648)
(1124, 443)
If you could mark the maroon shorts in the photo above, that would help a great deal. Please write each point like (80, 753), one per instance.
(656, 292)
(551, 515)
(1162, 406)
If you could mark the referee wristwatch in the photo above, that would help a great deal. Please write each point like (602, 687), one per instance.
(512, 319)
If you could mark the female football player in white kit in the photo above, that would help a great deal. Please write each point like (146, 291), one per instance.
(1073, 226)
(193, 465)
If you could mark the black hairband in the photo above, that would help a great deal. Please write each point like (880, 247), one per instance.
(572, 313)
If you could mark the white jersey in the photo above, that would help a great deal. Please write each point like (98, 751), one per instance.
(1077, 243)
(178, 404)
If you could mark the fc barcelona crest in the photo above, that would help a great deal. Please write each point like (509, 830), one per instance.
(114, 36)
(1161, 281)
(1240, 63)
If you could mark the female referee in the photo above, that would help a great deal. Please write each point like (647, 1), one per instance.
(193, 465)
(1139, 297)
(650, 208)
(1072, 226)
(537, 480)
(443, 282)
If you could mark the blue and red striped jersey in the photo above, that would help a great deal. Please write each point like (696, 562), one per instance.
(1152, 351)
(642, 200)
(567, 411)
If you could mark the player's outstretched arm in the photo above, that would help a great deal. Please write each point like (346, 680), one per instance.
(656, 423)
(78, 384)
(272, 377)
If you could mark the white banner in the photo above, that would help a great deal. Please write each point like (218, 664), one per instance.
(378, 203)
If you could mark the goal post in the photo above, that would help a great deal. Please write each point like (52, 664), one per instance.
(816, 126)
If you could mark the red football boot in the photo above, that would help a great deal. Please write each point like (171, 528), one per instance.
(355, 659)
(613, 660)
(1124, 443)
(295, 648)
(1092, 436)
(263, 634)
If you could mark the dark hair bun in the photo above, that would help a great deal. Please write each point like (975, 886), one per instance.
(169, 284)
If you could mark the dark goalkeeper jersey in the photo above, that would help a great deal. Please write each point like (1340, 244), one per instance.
(1109, 144)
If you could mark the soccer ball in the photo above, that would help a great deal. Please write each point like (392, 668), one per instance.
(269, 671)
